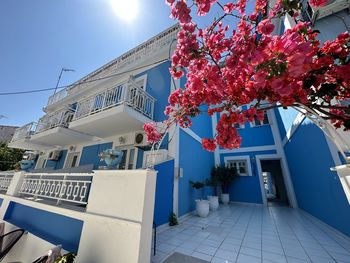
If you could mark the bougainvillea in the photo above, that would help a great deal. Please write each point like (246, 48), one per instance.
(227, 68)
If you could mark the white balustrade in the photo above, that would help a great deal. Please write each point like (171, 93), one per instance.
(5, 180)
(24, 131)
(127, 92)
(71, 188)
(60, 118)
(57, 96)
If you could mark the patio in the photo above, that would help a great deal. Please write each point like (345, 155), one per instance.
(253, 233)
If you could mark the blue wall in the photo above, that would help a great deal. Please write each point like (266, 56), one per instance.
(54, 228)
(90, 153)
(255, 136)
(246, 188)
(202, 125)
(196, 164)
(318, 190)
(1, 200)
(158, 86)
(164, 192)
(59, 163)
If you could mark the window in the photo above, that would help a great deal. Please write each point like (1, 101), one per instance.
(72, 160)
(129, 158)
(240, 165)
(256, 122)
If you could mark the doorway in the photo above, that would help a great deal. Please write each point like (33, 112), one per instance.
(274, 186)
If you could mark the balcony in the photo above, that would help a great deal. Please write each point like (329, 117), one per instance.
(120, 109)
(52, 130)
(21, 138)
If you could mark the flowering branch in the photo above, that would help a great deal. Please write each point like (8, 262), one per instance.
(227, 69)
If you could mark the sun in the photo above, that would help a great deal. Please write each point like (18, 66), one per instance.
(126, 10)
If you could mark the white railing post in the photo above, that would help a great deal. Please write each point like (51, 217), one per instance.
(16, 184)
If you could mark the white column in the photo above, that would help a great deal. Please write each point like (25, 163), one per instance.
(16, 184)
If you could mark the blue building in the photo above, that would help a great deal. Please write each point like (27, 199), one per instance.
(283, 160)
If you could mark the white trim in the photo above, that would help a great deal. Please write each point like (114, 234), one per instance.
(238, 158)
(343, 175)
(192, 134)
(174, 152)
(284, 164)
(249, 149)
(144, 78)
(216, 152)
(295, 125)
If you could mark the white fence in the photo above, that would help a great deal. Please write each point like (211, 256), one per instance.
(24, 131)
(71, 188)
(57, 96)
(60, 118)
(5, 180)
(127, 92)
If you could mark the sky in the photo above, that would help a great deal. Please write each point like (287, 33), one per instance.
(39, 37)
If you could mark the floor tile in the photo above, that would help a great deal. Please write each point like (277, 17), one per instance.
(201, 256)
(242, 258)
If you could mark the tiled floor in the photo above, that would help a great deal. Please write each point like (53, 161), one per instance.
(248, 233)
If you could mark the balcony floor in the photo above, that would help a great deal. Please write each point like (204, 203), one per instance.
(253, 233)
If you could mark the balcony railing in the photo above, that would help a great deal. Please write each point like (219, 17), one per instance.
(5, 180)
(68, 188)
(60, 118)
(24, 131)
(128, 93)
(57, 96)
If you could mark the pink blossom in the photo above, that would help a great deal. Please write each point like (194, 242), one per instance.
(265, 27)
(318, 3)
(152, 134)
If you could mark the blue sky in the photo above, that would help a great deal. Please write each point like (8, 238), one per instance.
(39, 37)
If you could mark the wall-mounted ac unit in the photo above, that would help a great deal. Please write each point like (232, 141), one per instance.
(140, 139)
(333, 6)
(54, 155)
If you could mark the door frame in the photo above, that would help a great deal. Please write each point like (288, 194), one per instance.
(287, 180)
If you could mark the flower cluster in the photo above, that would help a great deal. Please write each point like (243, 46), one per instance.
(227, 69)
(152, 133)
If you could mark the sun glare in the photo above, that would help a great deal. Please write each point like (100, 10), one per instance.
(126, 10)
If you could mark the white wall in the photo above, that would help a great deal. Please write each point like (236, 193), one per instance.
(117, 222)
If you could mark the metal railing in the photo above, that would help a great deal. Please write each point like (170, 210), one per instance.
(127, 92)
(5, 180)
(60, 118)
(57, 96)
(69, 188)
(24, 131)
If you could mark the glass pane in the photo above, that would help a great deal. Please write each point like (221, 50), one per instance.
(266, 119)
(122, 163)
(74, 161)
(131, 159)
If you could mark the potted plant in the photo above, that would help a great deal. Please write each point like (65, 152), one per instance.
(225, 175)
(213, 181)
(202, 206)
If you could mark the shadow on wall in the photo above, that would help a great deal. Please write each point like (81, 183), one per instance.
(318, 190)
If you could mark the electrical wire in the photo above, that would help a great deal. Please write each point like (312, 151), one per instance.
(82, 82)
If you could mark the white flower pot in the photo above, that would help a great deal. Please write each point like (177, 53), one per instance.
(202, 208)
(225, 198)
(213, 202)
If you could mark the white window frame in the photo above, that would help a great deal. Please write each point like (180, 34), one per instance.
(238, 159)
(252, 124)
(128, 148)
(142, 78)
(41, 162)
(78, 153)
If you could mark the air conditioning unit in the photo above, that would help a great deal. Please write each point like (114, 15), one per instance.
(140, 139)
(54, 155)
(333, 6)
